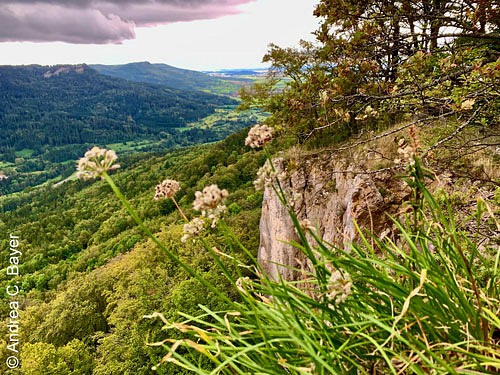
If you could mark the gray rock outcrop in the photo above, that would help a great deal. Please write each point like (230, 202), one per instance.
(331, 197)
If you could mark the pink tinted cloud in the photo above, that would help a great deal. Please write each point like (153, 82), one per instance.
(155, 14)
(101, 21)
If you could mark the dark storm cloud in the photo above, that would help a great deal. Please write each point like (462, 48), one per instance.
(100, 22)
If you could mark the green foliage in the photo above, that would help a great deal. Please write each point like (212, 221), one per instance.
(46, 359)
(375, 64)
(50, 163)
(81, 107)
(424, 303)
(50, 118)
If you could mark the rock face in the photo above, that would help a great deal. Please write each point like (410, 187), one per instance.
(64, 69)
(333, 198)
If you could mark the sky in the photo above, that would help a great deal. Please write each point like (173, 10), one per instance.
(190, 34)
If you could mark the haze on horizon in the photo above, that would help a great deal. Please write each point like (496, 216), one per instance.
(193, 34)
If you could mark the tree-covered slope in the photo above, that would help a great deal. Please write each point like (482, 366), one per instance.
(170, 76)
(65, 105)
(87, 274)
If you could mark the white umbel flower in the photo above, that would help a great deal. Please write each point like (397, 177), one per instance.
(209, 198)
(267, 175)
(259, 135)
(210, 202)
(166, 189)
(339, 287)
(193, 229)
(95, 162)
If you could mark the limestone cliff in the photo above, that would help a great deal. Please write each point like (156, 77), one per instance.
(332, 195)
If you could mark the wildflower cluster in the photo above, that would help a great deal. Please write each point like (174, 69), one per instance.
(266, 175)
(210, 202)
(166, 189)
(95, 163)
(339, 287)
(306, 313)
(408, 151)
(192, 229)
(259, 135)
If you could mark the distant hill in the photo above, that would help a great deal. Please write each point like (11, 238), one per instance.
(248, 74)
(70, 105)
(170, 76)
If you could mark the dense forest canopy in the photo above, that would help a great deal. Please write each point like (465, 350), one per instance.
(49, 116)
(56, 106)
(88, 275)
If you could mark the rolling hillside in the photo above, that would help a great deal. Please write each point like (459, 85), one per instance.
(75, 104)
(170, 76)
(51, 115)
(78, 245)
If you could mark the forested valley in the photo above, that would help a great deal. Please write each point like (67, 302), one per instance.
(49, 116)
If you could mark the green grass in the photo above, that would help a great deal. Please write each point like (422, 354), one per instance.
(226, 117)
(25, 153)
(5, 164)
(132, 146)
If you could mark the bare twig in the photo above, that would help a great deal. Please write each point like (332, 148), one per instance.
(452, 135)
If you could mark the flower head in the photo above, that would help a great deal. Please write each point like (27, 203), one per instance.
(96, 162)
(210, 202)
(192, 229)
(216, 213)
(259, 135)
(339, 286)
(166, 189)
(266, 175)
(209, 198)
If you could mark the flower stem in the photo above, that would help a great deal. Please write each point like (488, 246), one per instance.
(180, 210)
